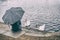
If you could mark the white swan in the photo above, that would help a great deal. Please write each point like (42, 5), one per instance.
(27, 23)
(42, 27)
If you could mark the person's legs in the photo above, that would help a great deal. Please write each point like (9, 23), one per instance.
(16, 26)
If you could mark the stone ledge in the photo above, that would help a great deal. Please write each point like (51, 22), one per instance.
(13, 35)
(40, 34)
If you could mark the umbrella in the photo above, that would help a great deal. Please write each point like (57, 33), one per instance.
(12, 15)
(3, 0)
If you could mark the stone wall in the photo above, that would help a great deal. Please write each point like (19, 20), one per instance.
(25, 37)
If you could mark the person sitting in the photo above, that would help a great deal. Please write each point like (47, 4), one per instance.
(16, 26)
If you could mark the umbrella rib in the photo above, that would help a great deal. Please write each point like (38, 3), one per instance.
(17, 14)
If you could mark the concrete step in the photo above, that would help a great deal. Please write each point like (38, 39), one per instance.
(11, 36)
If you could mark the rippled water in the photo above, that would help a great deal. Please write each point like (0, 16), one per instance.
(48, 14)
(39, 11)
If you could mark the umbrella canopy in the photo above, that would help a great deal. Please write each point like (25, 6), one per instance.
(12, 15)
